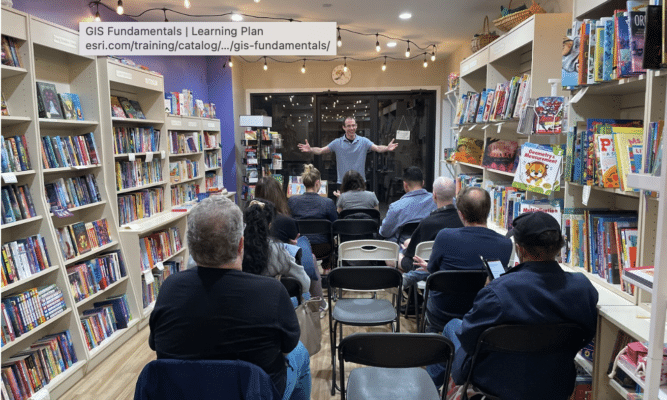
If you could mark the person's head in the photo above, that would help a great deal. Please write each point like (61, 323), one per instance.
(215, 232)
(537, 236)
(269, 188)
(284, 229)
(257, 217)
(311, 176)
(444, 190)
(474, 204)
(413, 178)
(350, 127)
(352, 180)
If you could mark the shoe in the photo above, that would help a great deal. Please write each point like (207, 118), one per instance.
(323, 308)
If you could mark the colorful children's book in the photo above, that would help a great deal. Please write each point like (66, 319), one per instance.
(5, 110)
(80, 236)
(592, 38)
(117, 108)
(599, 49)
(623, 52)
(636, 28)
(608, 46)
(482, 105)
(539, 168)
(570, 61)
(606, 161)
(500, 155)
(127, 107)
(49, 102)
(68, 106)
(76, 102)
(549, 112)
(469, 150)
(583, 52)
(624, 139)
(587, 155)
(137, 109)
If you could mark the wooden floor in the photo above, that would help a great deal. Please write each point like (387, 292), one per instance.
(115, 377)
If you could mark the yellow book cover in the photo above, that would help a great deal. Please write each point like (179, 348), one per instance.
(624, 139)
(599, 51)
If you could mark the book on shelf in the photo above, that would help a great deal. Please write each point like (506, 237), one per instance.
(5, 110)
(10, 54)
(539, 168)
(587, 155)
(17, 203)
(130, 112)
(636, 33)
(642, 276)
(624, 139)
(608, 49)
(15, 156)
(68, 106)
(469, 150)
(138, 112)
(117, 108)
(600, 26)
(590, 62)
(623, 50)
(550, 114)
(606, 156)
(76, 103)
(582, 61)
(48, 101)
(500, 155)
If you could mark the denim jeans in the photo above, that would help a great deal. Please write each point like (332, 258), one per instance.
(298, 374)
(412, 277)
(437, 371)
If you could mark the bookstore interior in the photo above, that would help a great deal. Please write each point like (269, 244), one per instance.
(119, 149)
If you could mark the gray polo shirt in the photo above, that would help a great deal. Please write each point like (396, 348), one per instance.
(350, 155)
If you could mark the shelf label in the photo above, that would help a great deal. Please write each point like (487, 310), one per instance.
(162, 154)
(499, 48)
(193, 124)
(123, 74)
(176, 122)
(148, 276)
(9, 177)
(460, 129)
(151, 81)
(500, 126)
(211, 124)
(579, 95)
(585, 195)
(80, 166)
(149, 157)
(485, 126)
(131, 156)
(472, 127)
(65, 42)
(159, 266)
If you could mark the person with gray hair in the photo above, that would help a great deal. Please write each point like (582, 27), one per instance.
(215, 311)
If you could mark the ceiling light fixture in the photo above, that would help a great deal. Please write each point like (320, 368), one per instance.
(425, 62)
(165, 15)
(345, 64)
(119, 9)
(186, 3)
(340, 41)
(265, 66)
(97, 12)
(237, 17)
(405, 15)
(377, 43)
(407, 52)
(433, 54)
(230, 63)
(391, 44)
(384, 66)
(303, 68)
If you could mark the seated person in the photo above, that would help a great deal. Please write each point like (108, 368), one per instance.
(286, 231)
(415, 205)
(460, 248)
(215, 311)
(263, 255)
(353, 193)
(268, 188)
(311, 205)
(445, 216)
(537, 291)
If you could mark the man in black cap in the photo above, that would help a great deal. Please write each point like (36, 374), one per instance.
(537, 291)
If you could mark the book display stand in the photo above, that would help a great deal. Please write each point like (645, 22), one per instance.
(257, 149)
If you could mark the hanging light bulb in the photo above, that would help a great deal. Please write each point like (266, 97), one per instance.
(340, 41)
(433, 54)
(230, 63)
(303, 68)
(265, 66)
(407, 52)
(425, 62)
(97, 12)
(377, 43)
(165, 15)
(345, 64)
(384, 66)
(186, 3)
(119, 9)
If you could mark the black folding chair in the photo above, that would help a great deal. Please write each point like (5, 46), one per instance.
(563, 339)
(462, 285)
(293, 287)
(361, 311)
(394, 374)
(310, 227)
(405, 231)
(352, 213)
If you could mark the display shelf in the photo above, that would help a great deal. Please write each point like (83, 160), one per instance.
(9, 71)
(27, 281)
(662, 394)
(152, 223)
(136, 188)
(136, 121)
(10, 120)
(609, 190)
(96, 296)
(92, 252)
(635, 84)
(21, 222)
(176, 254)
(212, 169)
(495, 171)
(66, 123)
(187, 180)
(70, 169)
(109, 341)
(179, 155)
(644, 182)
(84, 207)
(465, 164)
(620, 389)
(148, 310)
(127, 155)
(20, 174)
(30, 336)
(56, 388)
(584, 363)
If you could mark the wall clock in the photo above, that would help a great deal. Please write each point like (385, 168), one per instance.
(340, 76)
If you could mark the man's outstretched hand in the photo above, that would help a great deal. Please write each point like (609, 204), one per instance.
(391, 146)
(305, 148)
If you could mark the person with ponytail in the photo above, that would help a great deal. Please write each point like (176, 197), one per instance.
(263, 255)
(311, 205)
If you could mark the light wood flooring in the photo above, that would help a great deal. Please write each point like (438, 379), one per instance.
(115, 377)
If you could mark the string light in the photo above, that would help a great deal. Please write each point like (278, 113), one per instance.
(340, 40)
(377, 42)
(97, 13)
(186, 3)
(237, 17)
(230, 63)
(165, 15)
(265, 66)
(425, 62)
(433, 54)
(407, 52)
(303, 68)
(384, 66)
(345, 64)
(119, 9)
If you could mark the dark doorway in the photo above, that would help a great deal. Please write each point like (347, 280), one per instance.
(319, 118)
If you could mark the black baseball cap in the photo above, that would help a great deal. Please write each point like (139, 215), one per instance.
(528, 226)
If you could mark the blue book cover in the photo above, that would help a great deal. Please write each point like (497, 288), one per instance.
(76, 103)
(570, 60)
(480, 109)
(624, 62)
(608, 56)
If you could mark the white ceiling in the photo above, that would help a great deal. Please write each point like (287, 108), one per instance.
(445, 23)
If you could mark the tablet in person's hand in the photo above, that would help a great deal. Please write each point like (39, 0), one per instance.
(494, 267)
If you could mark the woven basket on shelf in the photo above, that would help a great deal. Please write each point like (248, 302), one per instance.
(510, 21)
(481, 40)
